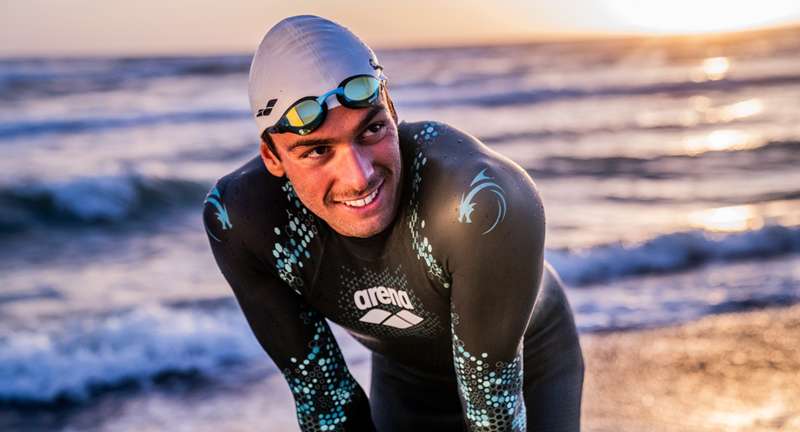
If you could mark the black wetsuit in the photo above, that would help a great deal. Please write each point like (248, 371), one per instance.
(452, 299)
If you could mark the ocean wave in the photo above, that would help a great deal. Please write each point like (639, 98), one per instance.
(48, 77)
(78, 125)
(577, 132)
(533, 96)
(73, 360)
(670, 253)
(104, 199)
(757, 198)
(770, 156)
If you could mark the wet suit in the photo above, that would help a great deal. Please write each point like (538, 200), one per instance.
(452, 299)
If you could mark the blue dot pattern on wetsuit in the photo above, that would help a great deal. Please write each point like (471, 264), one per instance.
(290, 248)
(491, 391)
(319, 380)
(467, 241)
(421, 244)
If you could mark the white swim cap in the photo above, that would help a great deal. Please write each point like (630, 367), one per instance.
(302, 56)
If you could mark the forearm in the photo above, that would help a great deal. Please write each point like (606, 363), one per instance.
(343, 406)
(491, 390)
(326, 395)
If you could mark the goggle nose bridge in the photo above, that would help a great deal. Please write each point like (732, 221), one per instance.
(338, 91)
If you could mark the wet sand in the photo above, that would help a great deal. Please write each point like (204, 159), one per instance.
(733, 372)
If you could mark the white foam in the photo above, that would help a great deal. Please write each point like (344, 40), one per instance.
(671, 252)
(102, 197)
(68, 359)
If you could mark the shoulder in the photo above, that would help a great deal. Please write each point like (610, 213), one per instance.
(242, 202)
(254, 217)
(467, 189)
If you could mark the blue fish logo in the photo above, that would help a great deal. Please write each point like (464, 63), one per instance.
(215, 199)
(479, 183)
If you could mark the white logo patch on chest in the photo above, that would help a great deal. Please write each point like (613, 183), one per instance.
(371, 299)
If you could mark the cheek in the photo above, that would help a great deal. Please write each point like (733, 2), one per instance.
(316, 191)
(310, 187)
(388, 153)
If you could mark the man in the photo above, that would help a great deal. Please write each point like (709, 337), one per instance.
(416, 238)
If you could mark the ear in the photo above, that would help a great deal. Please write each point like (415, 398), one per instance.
(390, 104)
(273, 164)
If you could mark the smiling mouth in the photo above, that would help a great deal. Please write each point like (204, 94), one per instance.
(365, 201)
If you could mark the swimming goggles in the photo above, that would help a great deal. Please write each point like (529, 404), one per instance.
(308, 113)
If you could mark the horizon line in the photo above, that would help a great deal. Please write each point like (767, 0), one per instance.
(547, 38)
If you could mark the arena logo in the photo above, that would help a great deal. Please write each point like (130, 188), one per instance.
(268, 109)
(373, 298)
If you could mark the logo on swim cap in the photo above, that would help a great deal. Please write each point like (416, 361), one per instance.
(266, 111)
(481, 182)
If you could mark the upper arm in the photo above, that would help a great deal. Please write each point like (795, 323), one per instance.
(493, 231)
(296, 337)
(497, 257)
(272, 310)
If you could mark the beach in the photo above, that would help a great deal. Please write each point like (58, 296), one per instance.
(667, 168)
(730, 372)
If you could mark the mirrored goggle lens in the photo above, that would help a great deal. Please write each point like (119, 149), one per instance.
(361, 89)
(304, 113)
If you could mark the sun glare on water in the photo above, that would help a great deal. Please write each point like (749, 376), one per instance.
(735, 218)
(716, 67)
(704, 16)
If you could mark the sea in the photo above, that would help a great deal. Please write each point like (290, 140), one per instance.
(669, 170)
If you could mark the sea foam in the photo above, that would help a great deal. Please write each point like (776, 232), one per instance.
(71, 360)
(671, 252)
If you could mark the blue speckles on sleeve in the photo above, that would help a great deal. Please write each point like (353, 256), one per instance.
(420, 243)
(291, 247)
(321, 384)
(491, 392)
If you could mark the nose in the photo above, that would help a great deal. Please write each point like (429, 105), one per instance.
(356, 170)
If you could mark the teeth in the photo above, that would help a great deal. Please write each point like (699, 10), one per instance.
(362, 202)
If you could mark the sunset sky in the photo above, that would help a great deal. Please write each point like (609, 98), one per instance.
(88, 27)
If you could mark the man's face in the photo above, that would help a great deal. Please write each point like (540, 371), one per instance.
(347, 171)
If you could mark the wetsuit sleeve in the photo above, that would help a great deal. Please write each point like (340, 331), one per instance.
(496, 263)
(295, 336)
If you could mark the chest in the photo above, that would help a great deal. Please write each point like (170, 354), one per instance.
(389, 298)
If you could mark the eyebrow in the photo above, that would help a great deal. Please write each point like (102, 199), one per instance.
(312, 142)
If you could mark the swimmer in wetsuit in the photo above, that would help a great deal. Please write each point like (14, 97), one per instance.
(417, 239)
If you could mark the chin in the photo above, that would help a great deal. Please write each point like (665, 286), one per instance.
(365, 231)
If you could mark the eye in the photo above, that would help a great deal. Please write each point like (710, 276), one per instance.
(315, 152)
(374, 132)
